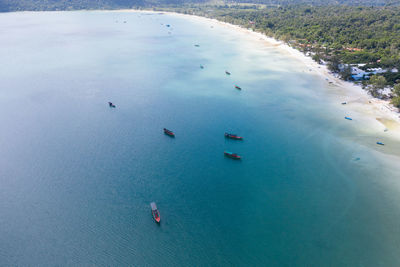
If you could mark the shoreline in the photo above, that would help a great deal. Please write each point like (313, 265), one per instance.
(356, 97)
(379, 114)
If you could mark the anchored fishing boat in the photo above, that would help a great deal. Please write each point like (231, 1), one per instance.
(233, 136)
(227, 72)
(111, 105)
(232, 155)
(154, 211)
(169, 133)
(380, 143)
(348, 118)
(237, 87)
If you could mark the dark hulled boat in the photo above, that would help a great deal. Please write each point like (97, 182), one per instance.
(232, 155)
(238, 87)
(233, 136)
(169, 133)
(227, 72)
(111, 105)
(154, 211)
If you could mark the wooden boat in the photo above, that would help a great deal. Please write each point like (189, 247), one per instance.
(232, 155)
(154, 211)
(169, 133)
(233, 136)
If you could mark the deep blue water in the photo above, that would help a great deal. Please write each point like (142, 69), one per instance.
(76, 177)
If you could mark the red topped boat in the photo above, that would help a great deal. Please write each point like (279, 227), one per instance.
(154, 211)
(169, 133)
(233, 136)
(232, 155)
(238, 87)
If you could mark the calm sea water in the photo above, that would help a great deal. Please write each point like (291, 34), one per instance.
(76, 177)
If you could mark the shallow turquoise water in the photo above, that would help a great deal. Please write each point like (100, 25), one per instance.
(76, 177)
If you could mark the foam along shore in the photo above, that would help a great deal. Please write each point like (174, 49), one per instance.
(378, 115)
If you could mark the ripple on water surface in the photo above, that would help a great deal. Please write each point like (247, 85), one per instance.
(77, 177)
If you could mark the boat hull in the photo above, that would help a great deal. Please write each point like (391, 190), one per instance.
(155, 213)
(169, 133)
(156, 217)
(233, 136)
(232, 155)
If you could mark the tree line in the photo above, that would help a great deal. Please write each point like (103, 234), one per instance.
(335, 31)
(336, 34)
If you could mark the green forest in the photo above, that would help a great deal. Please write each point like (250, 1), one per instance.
(336, 34)
(36, 5)
(334, 31)
(354, 34)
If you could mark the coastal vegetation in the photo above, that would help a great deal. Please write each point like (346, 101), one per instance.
(359, 43)
(396, 96)
(55, 5)
(36, 5)
(377, 83)
(358, 40)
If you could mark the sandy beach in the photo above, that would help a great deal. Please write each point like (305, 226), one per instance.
(378, 115)
(78, 176)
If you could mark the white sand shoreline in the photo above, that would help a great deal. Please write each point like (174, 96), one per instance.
(379, 114)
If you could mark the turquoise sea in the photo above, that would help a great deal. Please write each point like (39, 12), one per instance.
(76, 177)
